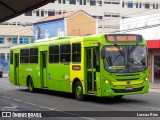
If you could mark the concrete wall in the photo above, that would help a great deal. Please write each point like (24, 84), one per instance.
(54, 28)
(80, 24)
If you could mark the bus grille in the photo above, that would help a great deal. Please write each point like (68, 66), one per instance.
(127, 74)
(131, 76)
(120, 79)
(126, 91)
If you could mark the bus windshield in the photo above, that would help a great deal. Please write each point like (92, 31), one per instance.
(125, 58)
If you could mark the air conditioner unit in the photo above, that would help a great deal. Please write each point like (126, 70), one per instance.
(9, 39)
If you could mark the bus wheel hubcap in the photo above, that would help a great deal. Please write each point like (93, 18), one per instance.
(30, 86)
(79, 91)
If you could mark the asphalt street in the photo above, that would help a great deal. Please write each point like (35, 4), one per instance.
(63, 106)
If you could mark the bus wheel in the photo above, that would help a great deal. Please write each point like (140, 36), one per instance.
(78, 91)
(30, 85)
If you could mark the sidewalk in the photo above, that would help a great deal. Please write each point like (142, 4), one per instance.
(5, 75)
(154, 87)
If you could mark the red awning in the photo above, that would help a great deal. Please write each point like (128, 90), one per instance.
(153, 43)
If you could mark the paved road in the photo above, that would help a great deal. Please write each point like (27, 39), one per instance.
(16, 98)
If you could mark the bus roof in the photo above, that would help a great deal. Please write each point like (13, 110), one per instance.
(64, 39)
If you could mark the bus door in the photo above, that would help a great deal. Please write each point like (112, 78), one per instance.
(16, 67)
(92, 64)
(43, 67)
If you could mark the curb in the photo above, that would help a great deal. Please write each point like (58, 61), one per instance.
(154, 90)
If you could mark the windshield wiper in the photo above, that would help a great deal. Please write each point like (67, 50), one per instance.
(119, 49)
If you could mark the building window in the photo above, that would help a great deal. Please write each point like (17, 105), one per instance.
(117, 3)
(147, 5)
(100, 3)
(7, 56)
(97, 17)
(140, 5)
(1, 40)
(46, 34)
(54, 54)
(42, 13)
(32, 40)
(37, 13)
(64, 1)
(136, 4)
(84, 2)
(107, 15)
(123, 4)
(60, 12)
(51, 13)
(80, 2)
(2, 55)
(115, 15)
(72, 1)
(92, 2)
(130, 4)
(28, 13)
(108, 2)
(24, 40)
(14, 40)
(156, 5)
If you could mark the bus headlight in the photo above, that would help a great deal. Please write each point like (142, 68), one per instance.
(107, 82)
(146, 79)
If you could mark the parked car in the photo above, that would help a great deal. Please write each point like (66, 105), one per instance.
(1, 72)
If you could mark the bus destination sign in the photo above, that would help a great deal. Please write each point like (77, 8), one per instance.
(123, 38)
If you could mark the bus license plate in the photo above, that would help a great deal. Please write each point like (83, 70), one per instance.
(129, 88)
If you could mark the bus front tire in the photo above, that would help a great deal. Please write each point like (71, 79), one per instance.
(78, 91)
(30, 85)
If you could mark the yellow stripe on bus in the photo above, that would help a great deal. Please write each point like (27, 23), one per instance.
(125, 82)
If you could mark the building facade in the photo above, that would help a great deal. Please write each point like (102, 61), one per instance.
(107, 12)
(149, 27)
(77, 23)
(11, 36)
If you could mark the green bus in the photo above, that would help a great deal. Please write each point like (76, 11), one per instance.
(100, 64)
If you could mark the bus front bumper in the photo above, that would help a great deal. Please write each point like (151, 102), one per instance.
(109, 90)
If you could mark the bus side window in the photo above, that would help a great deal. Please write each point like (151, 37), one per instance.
(65, 53)
(96, 59)
(76, 52)
(24, 56)
(54, 54)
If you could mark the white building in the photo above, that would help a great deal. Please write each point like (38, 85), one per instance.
(11, 35)
(149, 27)
(107, 12)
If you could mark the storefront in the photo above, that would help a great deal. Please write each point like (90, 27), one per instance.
(154, 60)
